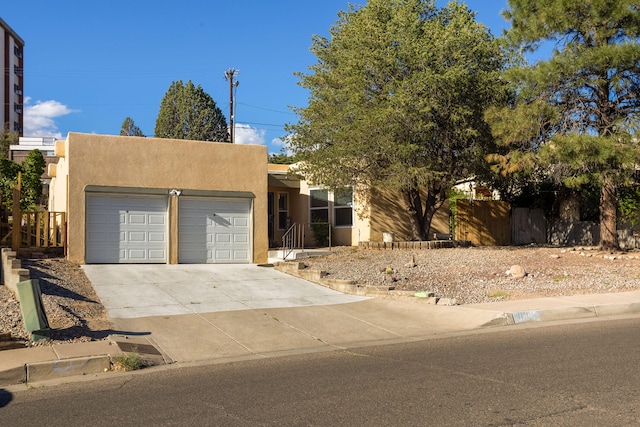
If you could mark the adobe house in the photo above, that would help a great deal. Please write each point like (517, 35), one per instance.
(292, 200)
(152, 200)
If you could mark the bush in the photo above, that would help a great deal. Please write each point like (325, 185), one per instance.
(320, 232)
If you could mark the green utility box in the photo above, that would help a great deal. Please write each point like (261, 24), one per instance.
(33, 315)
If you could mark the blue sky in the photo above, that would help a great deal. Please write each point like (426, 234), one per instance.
(89, 65)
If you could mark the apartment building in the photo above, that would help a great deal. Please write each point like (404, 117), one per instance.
(11, 90)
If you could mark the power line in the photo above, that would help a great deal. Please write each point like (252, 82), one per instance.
(267, 109)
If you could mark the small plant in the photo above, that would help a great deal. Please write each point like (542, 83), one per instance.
(320, 232)
(388, 270)
(128, 362)
(499, 294)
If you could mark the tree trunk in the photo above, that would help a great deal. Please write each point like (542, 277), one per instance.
(435, 198)
(413, 203)
(421, 216)
(608, 214)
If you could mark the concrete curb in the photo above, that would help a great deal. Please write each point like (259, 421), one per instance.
(55, 369)
(42, 371)
(562, 313)
(68, 360)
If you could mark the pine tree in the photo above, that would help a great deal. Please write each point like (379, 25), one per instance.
(188, 112)
(129, 128)
(574, 115)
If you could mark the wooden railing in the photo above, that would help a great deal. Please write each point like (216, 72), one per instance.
(42, 229)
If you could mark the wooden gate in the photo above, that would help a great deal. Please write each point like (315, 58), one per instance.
(483, 222)
(528, 226)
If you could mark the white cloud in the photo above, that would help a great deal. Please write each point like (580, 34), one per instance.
(39, 117)
(245, 134)
(284, 146)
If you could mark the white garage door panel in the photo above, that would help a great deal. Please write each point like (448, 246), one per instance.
(126, 229)
(214, 230)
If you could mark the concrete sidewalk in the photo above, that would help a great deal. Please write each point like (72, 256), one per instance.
(561, 308)
(268, 331)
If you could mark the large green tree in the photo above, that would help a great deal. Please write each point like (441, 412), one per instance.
(129, 128)
(574, 115)
(30, 172)
(397, 100)
(32, 169)
(188, 112)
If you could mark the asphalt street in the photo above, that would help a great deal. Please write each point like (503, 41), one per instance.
(581, 372)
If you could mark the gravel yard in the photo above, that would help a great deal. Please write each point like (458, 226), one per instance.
(479, 274)
(470, 275)
(73, 309)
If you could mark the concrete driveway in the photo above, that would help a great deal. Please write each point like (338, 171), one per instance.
(198, 312)
(144, 290)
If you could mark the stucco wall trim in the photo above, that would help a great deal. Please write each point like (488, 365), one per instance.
(165, 192)
(126, 190)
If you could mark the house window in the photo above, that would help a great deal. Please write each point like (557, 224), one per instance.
(343, 208)
(319, 205)
(283, 211)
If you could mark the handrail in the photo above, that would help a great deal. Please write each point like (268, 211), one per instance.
(292, 239)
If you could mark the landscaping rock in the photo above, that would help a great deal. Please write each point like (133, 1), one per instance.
(517, 272)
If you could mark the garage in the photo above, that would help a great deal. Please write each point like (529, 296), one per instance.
(152, 200)
(214, 230)
(126, 229)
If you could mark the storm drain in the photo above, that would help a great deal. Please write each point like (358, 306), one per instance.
(149, 353)
(129, 347)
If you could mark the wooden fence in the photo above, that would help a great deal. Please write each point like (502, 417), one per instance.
(42, 229)
(483, 222)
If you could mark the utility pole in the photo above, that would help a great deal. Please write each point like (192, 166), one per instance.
(228, 75)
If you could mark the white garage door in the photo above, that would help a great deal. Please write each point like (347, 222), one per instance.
(126, 229)
(214, 230)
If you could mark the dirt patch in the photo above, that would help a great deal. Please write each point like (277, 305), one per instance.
(74, 311)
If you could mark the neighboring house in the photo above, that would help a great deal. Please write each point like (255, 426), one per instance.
(19, 152)
(293, 200)
(25, 145)
(476, 191)
(151, 200)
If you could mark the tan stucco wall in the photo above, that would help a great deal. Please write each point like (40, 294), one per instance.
(155, 163)
(58, 185)
(389, 215)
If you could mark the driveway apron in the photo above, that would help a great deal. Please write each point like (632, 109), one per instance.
(143, 290)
